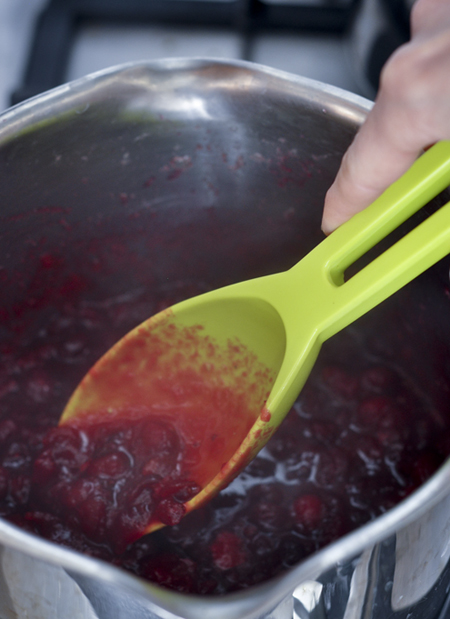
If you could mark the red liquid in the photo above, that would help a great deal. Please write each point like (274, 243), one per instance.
(357, 442)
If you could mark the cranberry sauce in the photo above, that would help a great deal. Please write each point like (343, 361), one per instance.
(109, 480)
(149, 426)
(359, 439)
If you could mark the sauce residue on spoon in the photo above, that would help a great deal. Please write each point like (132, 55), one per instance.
(151, 424)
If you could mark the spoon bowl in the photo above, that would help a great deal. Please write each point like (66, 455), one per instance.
(225, 367)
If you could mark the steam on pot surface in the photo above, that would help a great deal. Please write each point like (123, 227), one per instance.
(114, 211)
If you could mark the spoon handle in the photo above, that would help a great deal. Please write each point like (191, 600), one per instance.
(425, 245)
(396, 267)
(428, 176)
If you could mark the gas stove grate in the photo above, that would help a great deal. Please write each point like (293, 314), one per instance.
(59, 21)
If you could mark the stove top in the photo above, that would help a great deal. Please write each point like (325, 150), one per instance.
(47, 42)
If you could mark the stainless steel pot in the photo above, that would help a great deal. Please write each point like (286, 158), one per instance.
(143, 150)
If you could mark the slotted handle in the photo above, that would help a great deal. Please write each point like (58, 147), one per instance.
(428, 176)
(344, 302)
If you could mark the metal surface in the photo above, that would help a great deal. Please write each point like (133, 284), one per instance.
(86, 148)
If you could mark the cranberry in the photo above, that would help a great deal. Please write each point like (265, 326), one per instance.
(92, 516)
(269, 515)
(159, 466)
(379, 411)
(340, 382)
(227, 550)
(378, 379)
(309, 510)
(39, 387)
(333, 467)
(170, 511)
(88, 501)
(110, 466)
(73, 495)
(44, 469)
(7, 428)
(260, 544)
(67, 447)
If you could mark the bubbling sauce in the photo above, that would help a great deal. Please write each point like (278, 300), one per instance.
(358, 441)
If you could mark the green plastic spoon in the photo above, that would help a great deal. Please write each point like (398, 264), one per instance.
(283, 319)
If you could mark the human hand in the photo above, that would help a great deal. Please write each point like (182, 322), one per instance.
(411, 112)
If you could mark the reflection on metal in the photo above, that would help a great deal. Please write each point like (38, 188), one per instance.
(284, 610)
(358, 587)
(31, 589)
(308, 601)
(422, 552)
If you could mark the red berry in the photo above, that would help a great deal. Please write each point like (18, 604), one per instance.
(160, 466)
(44, 469)
(379, 411)
(109, 466)
(7, 428)
(227, 551)
(309, 510)
(378, 379)
(340, 382)
(92, 514)
(332, 467)
(39, 387)
(87, 499)
(67, 447)
(170, 511)
(269, 515)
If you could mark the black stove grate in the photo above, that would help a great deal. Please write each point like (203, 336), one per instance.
(59, 21)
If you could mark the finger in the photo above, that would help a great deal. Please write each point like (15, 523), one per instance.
(375, 160)
(411, 112)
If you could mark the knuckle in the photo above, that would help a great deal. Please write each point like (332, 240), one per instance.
(428, 14)
(419, 12)
(397, 74)
(414, 84)
(409, 74)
